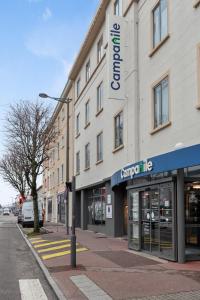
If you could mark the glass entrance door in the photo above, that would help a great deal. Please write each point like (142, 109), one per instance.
(192, 221)
(150, 220)
(134, 226)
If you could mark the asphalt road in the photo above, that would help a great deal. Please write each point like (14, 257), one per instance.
(17, 263)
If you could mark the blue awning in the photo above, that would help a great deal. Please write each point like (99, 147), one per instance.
(177, 159)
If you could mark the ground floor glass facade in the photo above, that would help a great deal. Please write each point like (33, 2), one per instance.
(151, 215)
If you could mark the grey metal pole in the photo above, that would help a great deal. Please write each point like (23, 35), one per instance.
(67, 173)
(181, 216)
(73, 235)
(66, 210)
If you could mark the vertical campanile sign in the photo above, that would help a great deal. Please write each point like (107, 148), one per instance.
(116, 44)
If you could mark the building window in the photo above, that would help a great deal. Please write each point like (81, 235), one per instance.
(160, 22)
(58, 148)
(87, 156)
(100, 97)
(161, 103)
(53, 155)
(78, 162)
(87, 71)
(87, 113)
(117, 8)
(97, 206)
(119, 130)
(78, 87)
(63, 142)
(100, 147)
(58, 174)
(100, 50)
(62, 173)
(53, 179)
(63, 113)
(78, 124)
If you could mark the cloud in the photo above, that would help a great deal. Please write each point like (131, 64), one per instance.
(47, 14)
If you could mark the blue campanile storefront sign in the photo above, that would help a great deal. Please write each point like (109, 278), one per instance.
(177, 159)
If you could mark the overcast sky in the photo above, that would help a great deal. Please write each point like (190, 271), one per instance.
(39, 42)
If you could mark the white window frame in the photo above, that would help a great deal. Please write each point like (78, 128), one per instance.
(87, 156)
(100, 49)
(58, 150)
(58, 176)
(78, 83)
(87, 112)
(100, 97)
(118, 8)
(118, 131)
(62, 173)
(159, 105)
(78, 162)
(162, 35)
(87, 71)
(77, 124)
(100, 146)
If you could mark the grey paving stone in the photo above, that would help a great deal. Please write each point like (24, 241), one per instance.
(91, 290)
(193, 295)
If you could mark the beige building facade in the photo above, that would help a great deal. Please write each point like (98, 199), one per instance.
(59, 167)
(136, 88)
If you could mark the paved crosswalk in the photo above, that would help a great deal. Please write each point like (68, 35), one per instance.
(52, 249)
(31, 289)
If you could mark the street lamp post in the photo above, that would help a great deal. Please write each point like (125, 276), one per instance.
(73, 184)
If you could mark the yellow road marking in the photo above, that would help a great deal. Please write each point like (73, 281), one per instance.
(38, 241)
(33, 239)
(51, 243)
(54, 248)
(45, 257)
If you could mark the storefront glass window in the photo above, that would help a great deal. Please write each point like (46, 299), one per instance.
(155, 227)
(166, 241)
(97, 206)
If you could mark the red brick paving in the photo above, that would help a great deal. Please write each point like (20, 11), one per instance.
(118, 281)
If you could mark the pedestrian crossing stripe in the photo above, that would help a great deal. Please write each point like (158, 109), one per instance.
(54, 255)
(51, 243)
(54, 248)
(38, 241)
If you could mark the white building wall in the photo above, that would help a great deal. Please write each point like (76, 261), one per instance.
(178, 56)
(105, 120)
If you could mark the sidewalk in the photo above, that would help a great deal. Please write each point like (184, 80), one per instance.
(106, 269)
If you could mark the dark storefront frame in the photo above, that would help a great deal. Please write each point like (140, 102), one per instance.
(61, 207)
(178, 161)
(140, 222)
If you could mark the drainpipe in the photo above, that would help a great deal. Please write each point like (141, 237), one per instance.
(136, 84)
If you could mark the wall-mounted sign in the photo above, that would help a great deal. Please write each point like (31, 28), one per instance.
(109, 211)
(174, 160)
(108, 199)
(142, 167)
(116, 32)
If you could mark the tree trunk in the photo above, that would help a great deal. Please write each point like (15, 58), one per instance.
(35, 207)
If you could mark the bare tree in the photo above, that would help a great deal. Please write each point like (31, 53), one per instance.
(30, 133)
(12, 171)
